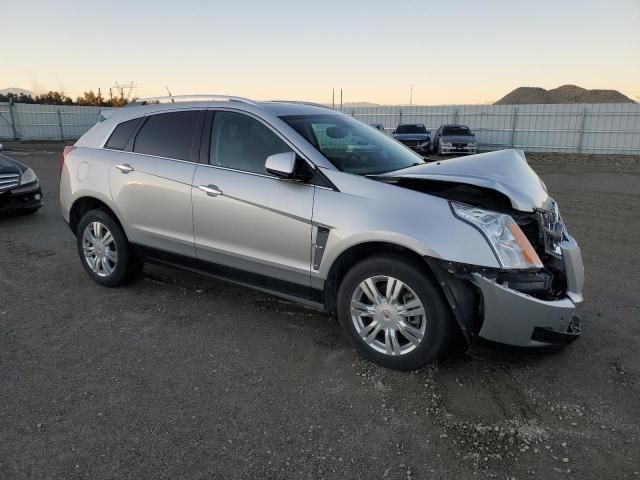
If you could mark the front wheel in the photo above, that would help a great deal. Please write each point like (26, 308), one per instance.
(393, 313)
(104, 250)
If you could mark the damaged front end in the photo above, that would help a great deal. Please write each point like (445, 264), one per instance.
(530, 300)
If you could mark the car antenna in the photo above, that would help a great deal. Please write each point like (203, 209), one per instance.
(169, 92)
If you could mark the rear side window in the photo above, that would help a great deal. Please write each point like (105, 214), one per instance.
(242, 143)
(168, 135)
(120, 136)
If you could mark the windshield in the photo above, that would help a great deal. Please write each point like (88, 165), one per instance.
(352, 146)
(457, 130)
(408, 129)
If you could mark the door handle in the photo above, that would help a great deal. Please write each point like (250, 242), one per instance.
(125, 168)
(210, 190)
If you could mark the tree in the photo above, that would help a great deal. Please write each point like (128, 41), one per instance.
(90, 98)
(12, 97)
(53, 98)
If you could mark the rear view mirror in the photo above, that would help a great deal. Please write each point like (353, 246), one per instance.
(337, 132)
(288, 165)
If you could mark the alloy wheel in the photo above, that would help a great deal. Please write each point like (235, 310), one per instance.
(99, 249)
(388, 315)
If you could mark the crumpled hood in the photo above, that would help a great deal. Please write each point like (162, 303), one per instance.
(505, 171)
(458, 138)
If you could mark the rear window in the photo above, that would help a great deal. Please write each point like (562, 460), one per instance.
(410, 129)
(457, 130)
(167, 135)
(120, 136)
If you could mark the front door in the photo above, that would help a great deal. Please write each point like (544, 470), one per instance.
(248, 224)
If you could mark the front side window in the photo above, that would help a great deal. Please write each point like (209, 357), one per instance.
(168, 135)
(352, 146)
(242, 143)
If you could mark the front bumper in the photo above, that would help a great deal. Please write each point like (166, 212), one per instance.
(418, 147)
(515, 318)
(21, 198)
(445, 150)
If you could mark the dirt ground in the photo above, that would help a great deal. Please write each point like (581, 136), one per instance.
(178, 376)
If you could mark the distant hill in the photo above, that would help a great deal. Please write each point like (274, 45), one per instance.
(563, 94)
(15, 91)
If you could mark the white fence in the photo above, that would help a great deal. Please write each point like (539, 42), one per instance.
(570, 128)
(46, 122)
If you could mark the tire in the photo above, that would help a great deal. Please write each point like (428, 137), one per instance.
(439, 149)
(436, 324)
(120, 263)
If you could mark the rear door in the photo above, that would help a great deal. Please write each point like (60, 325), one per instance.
(150, 182)
(249, 224)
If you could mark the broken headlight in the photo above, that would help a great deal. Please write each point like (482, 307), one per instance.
(508, 242)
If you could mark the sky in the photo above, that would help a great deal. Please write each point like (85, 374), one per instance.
(462, 52)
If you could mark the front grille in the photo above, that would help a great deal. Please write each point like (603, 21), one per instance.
(8, 181)
(410, 143)
(459, 145)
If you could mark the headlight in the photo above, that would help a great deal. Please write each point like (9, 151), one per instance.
(446, 144)
(472, 144)
(28, 176)
(503, 234)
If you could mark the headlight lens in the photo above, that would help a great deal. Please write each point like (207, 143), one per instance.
(503, 234)
(446, 144)
(28, 176)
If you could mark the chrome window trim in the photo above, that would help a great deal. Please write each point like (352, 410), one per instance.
(283, 137)
(154, 156)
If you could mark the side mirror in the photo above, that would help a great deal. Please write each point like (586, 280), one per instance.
(288, 165)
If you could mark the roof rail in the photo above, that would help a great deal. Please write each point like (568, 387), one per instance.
(311, 104)
(190, 98)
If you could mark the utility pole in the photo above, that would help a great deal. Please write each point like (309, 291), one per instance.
(411, 94)
(340, 99)
(333, 98)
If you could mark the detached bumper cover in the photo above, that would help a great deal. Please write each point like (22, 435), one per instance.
(20, 198)
(518, 319)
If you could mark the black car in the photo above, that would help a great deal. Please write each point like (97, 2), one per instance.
(19, 187)
(413, 135)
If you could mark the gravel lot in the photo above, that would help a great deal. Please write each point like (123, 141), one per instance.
(178, 376)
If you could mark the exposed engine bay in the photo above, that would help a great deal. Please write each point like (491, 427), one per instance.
(542, 228)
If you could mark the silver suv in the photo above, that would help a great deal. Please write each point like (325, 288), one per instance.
(312, 205)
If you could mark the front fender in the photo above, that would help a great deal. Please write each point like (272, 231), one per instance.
(375, 211)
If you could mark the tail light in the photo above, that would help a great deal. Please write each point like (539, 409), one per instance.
(67, 150)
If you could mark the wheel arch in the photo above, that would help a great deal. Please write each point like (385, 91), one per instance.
(82, 205)
(355, 254)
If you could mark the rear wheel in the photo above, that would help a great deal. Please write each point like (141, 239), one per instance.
(104, 250)
(393, 313)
